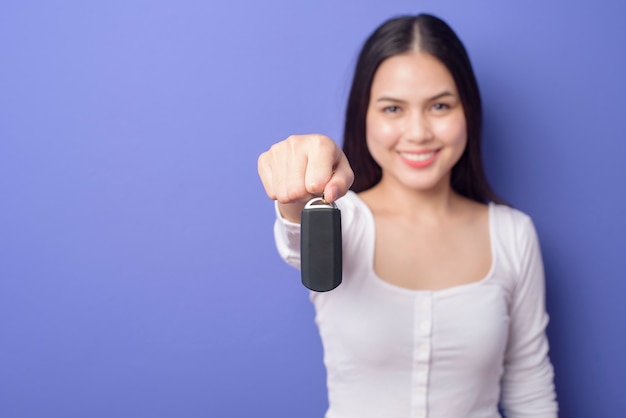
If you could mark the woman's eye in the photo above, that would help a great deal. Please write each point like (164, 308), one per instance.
(391, 109)
(440, 106)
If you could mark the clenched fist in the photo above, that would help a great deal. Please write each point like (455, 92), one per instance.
(301, 167)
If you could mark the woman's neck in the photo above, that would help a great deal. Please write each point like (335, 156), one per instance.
(431, 205)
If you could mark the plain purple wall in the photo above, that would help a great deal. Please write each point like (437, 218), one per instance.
(138, 274)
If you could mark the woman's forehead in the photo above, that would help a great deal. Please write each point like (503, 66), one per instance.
(413, 73)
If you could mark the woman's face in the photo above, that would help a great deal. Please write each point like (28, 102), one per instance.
(416, 128)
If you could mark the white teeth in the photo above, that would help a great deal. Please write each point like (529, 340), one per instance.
(418, 157)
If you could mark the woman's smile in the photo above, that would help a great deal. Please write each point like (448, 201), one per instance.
(419, 159)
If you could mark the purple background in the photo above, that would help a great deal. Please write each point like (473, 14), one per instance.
(138, 274)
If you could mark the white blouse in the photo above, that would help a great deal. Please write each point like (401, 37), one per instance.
(452, 353)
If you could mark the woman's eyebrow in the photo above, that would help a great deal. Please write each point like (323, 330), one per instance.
(442, 94)
(390, 99)
(396, 100)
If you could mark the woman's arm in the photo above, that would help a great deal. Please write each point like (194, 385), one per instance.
(528, 381)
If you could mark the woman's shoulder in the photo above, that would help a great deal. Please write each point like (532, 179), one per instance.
(512, 227)
(505, 215)
(351, 205)
(349, 199)
(355, 214)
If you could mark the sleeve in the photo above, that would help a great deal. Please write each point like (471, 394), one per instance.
(287, 234)
(528, 380)
(287, 238)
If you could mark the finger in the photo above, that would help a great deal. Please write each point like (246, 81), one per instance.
(265, 173)
(287, 160)
(322, 158)
(291, 180)
(341, 180)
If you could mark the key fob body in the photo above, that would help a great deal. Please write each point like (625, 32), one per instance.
(320, 245)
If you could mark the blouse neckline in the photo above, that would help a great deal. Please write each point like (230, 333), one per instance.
(416, 292)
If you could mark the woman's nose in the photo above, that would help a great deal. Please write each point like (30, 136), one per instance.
(417, 128)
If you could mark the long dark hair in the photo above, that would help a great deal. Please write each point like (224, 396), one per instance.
(432, 36)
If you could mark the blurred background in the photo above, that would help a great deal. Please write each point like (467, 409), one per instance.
(138, 273)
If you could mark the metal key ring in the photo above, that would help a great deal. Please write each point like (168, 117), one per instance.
(319, 203)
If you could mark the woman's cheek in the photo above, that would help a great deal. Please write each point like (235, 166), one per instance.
(452, 131)
(380, 131)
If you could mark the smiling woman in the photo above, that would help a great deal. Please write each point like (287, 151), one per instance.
(441, 310)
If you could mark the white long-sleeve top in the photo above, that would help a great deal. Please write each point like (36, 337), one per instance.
(453, 353)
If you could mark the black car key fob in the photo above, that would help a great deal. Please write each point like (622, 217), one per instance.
(320, 245)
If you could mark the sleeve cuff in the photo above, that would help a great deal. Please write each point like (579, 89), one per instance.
(287, 237)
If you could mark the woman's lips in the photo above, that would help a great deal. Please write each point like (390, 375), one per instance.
(419, 159)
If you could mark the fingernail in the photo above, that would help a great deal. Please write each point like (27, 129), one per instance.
(332, 193)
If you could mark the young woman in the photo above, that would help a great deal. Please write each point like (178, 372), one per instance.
(441, 310)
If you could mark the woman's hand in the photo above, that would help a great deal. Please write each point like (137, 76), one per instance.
(301, 167)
